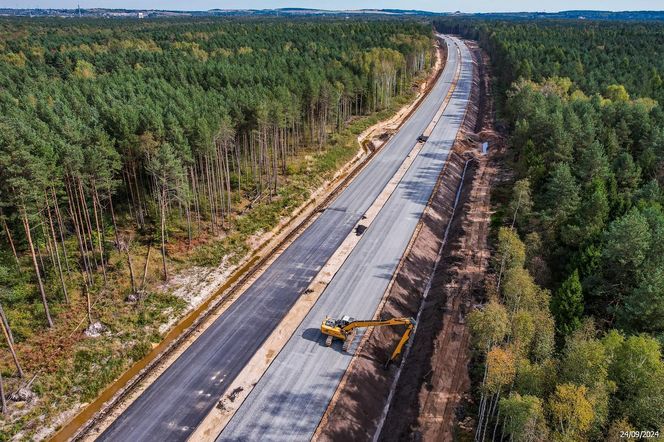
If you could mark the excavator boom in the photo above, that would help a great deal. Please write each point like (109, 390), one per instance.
(377, 323)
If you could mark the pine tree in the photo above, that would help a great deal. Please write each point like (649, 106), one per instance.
(567, 304)
(169, 177)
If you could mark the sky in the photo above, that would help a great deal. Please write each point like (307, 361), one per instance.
(427, 5)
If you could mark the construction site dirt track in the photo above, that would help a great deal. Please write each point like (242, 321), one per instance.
(433, 378)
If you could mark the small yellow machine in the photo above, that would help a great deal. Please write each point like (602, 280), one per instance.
(344, 329)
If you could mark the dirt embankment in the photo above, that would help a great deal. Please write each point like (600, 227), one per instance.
(356, 410)
(434, 377)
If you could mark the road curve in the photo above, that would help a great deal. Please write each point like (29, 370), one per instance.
(291, 397)
(172, 406)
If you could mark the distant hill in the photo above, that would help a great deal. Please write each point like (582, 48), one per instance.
(281, 12)
(145, 13)
(579, 15)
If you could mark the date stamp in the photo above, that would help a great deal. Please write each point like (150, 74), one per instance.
(645, 434)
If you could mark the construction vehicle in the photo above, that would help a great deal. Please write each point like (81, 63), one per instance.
(344, 329)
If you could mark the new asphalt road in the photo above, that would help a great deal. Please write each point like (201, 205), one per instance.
(172, 407)
(291, 397)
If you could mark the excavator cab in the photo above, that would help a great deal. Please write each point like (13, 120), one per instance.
(334, 328)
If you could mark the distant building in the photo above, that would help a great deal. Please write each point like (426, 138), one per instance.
(141, 15)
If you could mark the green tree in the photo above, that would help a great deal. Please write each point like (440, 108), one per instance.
(626, 246)
(536, 379)
(628, 177)
(84, 70)
(567, 304)
(523, 331)
(616, 92)
(520, 291)
(584, 360)
(561, 198)
(643, 307)
(593, 164)
(488, 325)
(544, 339)
(169, 177)
(638, 371)
(571, 412)
(590, 219)
(511, 252)
(521, 204)
(524, 418)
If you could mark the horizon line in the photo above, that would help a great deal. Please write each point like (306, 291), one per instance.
(329, 10)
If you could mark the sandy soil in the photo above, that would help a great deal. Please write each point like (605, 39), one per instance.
(433, 381)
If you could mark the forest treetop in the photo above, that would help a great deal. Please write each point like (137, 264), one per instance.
(580, 285)
(198, 135)
(178, 119)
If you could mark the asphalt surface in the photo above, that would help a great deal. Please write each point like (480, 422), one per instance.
(291, 397)
(173, 405)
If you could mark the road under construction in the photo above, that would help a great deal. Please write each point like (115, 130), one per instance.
(290, 397)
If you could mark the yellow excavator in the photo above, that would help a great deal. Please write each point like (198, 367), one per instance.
(344, 329)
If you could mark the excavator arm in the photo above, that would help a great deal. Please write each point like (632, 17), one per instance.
(377, 323)
(402, 342)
